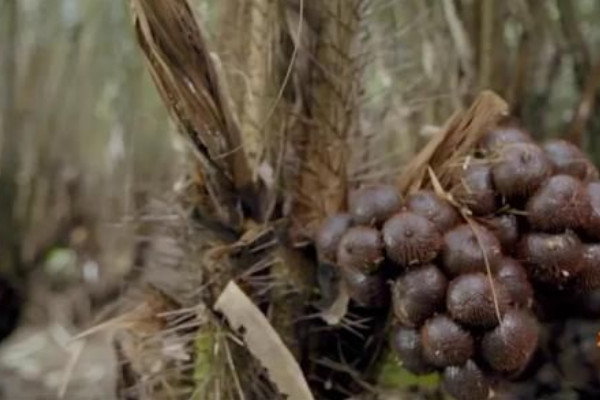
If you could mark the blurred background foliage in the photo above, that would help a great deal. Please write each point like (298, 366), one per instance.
(87, 145)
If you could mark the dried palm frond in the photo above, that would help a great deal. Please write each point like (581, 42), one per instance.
(452, 144)
(190, 82)
(253, 65)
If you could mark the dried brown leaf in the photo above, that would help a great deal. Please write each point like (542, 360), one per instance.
(263, 342)
(193, 90)
(458, 138)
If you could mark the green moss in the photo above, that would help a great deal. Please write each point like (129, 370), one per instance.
(393, 376)
(204, 347)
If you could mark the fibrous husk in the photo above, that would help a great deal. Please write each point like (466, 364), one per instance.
(327, 83)
(453, 143)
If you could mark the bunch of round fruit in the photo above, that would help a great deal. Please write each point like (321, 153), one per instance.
(463, 284)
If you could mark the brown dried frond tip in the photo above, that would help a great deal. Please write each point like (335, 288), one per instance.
(372, 205)
(470, 300)
(330, 234)
(429, 205)
(361, 248)
(560, 203)
(445, 342)
(191, 86)
(464, 249)
(417, 294)
(520, 170)
(411, 239)
(456, 141)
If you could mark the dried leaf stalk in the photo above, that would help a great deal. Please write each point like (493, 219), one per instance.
(330, 90)
(192, 87)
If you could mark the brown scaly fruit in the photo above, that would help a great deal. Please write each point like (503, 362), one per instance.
(466, 382)
(361, 248)
(406, 343)
(471, 300)
(513, 277)
(367, 290)
(566, 158)
(429, 205)
(509, 347)
(552, 259)
(445, 342)
(592, 225)
(329, 235)
(500, 137)
(506, 229)
(466, 250)
(520, 170)
(411, 239)
(417, 294)
(561, 203)
(475, 189)
(588, 279)
(372, 205)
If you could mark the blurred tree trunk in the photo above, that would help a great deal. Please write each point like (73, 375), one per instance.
(9, 141)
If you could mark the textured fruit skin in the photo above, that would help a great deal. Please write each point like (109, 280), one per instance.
(503, 136)
(536, 212)
(511, 274)
(470, 300)
(509, 347)
(367, 290)
(445, 342)
(553, 259)
(466, 382)
(411, 239)
(476, 189)
(506, 229)
(372, 205)
(520, 170)
(329, 235)
(592, 225)
(566, 158)
(588, 278)
(427, 204)
(561, 203)
(417, 294)
(462, 252)
(406, 343)
(361, 248)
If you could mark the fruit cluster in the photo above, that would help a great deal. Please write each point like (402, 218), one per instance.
(464, 284)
